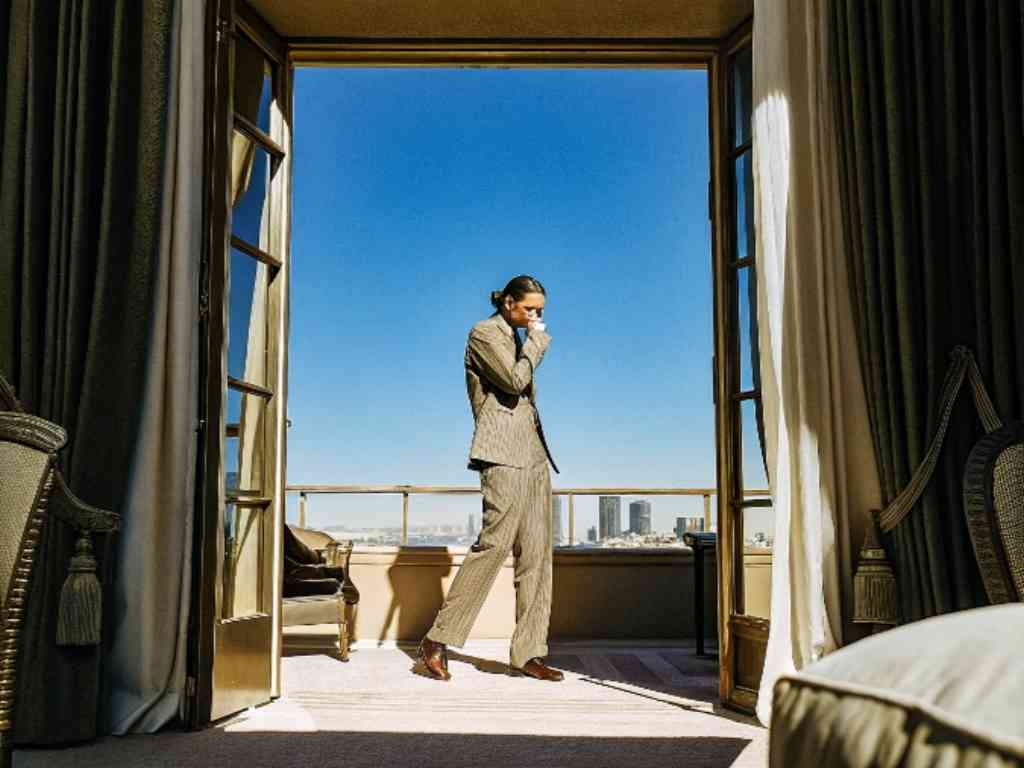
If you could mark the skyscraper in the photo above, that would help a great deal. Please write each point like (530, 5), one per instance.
(640, 517)
(686, 524)
(592, 534)
(471, 526)
(609, 516)
(556, 520)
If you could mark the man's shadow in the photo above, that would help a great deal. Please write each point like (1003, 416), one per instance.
(417, 578)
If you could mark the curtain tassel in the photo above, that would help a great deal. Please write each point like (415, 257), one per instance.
(875, 599)
(81, 598)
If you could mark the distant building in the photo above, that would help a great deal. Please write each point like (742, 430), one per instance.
(640, 517)
(592, 534)
(471, 526)
(556, 520)
(688, 525)
(609, 509)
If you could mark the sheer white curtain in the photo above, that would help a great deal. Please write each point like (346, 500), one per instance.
(153, 582)
(821, 465)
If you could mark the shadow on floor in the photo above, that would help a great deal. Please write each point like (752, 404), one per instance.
(356, 749)
(699, 676)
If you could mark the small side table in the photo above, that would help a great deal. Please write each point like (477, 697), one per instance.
(700, 542)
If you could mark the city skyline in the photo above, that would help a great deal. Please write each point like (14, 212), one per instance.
(640, 533)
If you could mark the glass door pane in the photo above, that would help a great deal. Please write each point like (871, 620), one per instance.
(244, 549)
(744, 185)
(254, 82)
(742, 91)
(746, 328)
(247, 319)
(245, 446)
(758, 532)
(252, 172)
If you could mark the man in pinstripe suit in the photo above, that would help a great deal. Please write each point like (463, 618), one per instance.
(511, 454)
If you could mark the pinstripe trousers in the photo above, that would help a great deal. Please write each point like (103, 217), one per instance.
(516, 518)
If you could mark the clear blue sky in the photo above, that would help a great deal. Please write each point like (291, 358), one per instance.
(417, 192)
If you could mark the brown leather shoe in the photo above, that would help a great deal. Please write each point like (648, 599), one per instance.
(435, 658)
(536, 668)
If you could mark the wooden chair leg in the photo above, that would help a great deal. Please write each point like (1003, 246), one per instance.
(342, 632)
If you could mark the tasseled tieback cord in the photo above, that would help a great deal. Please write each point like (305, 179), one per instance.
(875, 599)
(80, 611)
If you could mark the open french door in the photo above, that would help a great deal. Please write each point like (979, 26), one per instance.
(744, 511)
(235, 652)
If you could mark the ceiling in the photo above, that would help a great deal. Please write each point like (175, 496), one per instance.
(504, 19)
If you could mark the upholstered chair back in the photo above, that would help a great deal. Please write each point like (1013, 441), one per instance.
(994, 505)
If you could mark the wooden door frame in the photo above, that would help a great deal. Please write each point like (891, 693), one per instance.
(598, 53)
(714, 58)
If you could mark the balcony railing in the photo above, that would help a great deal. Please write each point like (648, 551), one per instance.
(406, 491)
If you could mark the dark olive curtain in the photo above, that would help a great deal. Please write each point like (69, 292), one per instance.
(83, 129)
(932, 177)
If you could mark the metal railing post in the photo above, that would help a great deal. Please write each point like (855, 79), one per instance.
(405, 518)
(302, 510)
(572, 522)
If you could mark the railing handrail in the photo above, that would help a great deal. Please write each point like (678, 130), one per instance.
(459, 489)
(572, 493)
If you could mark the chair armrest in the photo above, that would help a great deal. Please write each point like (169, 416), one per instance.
(342, 554)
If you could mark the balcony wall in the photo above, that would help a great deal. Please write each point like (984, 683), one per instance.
(598, 594)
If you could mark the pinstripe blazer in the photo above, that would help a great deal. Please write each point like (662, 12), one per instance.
(503, 393)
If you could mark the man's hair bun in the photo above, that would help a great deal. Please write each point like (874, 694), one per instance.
(517, 287)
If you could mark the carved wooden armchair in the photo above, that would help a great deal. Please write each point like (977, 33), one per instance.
(32, 493)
